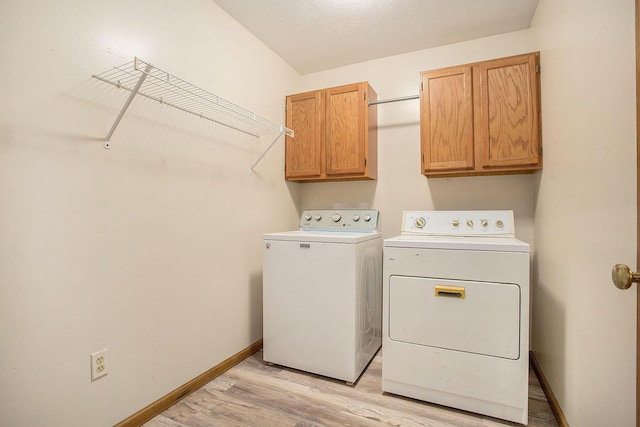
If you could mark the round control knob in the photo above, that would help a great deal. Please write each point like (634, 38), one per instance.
(499, 224)
(367, 218)
(455, 223)
(336, 217)
(470, 223)
(317, 217)
(307, 217)
(356, 217)
(484, 223)
(420, 222)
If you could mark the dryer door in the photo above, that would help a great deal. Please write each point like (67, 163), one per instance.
(474, 317)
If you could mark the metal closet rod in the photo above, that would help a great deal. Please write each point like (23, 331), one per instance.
(402, 98)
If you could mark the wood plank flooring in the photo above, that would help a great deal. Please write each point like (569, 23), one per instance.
(254, 393)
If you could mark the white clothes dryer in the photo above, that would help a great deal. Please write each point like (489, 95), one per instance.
(456, 312)
(322, 293)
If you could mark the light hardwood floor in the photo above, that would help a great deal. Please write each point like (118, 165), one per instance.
(254, 393)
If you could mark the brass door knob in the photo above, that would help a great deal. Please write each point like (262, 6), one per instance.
(623, 277)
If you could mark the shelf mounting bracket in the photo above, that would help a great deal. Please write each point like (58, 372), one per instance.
(253, 166)
(134, 92)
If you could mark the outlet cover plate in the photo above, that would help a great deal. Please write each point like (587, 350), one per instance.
(99, 364)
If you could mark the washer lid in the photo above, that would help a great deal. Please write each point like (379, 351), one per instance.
(323, 236)
(497, 244)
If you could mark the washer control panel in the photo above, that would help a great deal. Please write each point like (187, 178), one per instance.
(459, 223)
(364, 220)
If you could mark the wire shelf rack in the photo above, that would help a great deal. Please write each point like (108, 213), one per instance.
(141, 78)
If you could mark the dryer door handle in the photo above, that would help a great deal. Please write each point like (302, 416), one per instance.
(450, 291)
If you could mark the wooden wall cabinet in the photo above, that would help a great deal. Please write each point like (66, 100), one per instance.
(482, 118)
(336, 135)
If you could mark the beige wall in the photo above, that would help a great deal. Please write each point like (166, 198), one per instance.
(151, 249)
(400, 185)
(585, 219)
(581, 206)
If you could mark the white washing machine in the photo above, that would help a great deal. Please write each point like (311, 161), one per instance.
(456, 312)
(322, 293)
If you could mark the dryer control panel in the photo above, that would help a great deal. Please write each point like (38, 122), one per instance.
(459, 223)
(363, 220)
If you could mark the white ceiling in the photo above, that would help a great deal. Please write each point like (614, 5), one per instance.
(316, 35)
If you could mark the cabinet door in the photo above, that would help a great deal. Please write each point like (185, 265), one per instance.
(345, 130)
(507, 116)
(304, 152)
(446, 104)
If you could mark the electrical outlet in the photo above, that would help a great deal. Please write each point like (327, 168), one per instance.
(99, 364)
